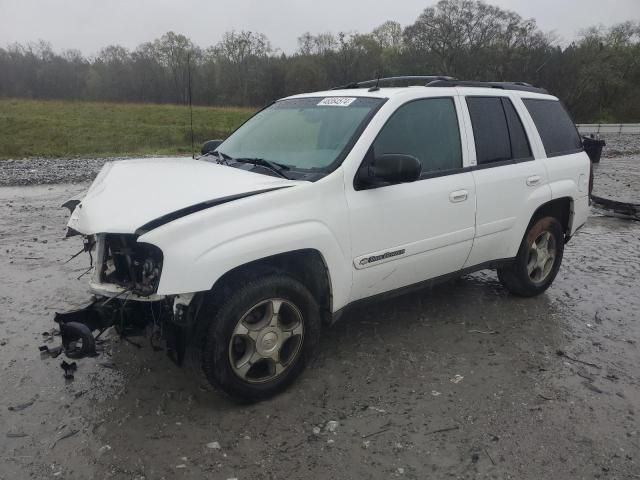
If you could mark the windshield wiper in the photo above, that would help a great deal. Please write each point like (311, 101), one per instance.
(223, 158)
(273, 166)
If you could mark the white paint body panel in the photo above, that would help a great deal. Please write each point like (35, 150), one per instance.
(570, 178)
(436, 230)
(129, 193)
(419, 218)
(198, 249)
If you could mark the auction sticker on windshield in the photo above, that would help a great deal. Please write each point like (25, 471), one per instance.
(337, 101)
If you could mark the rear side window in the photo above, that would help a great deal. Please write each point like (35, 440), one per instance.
(497, 130)
(428, 130)
(557, 131)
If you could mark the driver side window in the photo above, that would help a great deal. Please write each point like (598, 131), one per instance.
(426, 129)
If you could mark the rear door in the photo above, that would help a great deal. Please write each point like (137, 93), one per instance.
(567, 164)
(508, 179)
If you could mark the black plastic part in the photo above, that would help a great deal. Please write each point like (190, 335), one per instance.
(176, 341)
(95, 316)
(71, 333)
(593, 147)
(210, 146)
(69, 369)
(620, 209)
(522, 86)
(183, 212)
(380, 82)
(440, 81)
(391, 168)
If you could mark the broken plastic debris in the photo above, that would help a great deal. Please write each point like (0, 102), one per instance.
(457, 379)
(376, 409)
(22, 406)
(435, 393)
(52, 352)
(213, 445)
(68, 368)
(331, 425)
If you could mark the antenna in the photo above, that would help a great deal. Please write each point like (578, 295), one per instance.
(376, 87)
(193, 155)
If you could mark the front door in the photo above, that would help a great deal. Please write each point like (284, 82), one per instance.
(406, 233)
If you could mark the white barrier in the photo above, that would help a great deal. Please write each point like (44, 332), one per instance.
(608, 128)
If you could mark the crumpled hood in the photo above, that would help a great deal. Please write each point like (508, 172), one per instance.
(129, 194)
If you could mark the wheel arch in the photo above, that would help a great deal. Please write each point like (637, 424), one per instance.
(307, 266)
(559, 208)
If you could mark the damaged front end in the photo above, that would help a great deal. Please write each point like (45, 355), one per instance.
(124, 264)
(125, 275)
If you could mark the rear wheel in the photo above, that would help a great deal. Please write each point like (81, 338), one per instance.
(261, 337)
(538, 260)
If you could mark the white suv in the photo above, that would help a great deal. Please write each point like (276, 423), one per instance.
(326, 199)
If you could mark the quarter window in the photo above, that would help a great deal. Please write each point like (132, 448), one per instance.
(428, 130)
(520, 148)
(497, 130)
(557, 130)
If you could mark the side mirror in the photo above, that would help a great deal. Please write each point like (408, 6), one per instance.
(389, 169)
(210, 146)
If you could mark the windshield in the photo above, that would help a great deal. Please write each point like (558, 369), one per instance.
(304, 134)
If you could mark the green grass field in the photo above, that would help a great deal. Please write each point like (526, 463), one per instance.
(51, 128)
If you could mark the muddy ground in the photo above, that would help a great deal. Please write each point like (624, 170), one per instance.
(461, 381)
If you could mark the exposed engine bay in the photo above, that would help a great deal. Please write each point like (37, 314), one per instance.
(125, 277)
(122, 261)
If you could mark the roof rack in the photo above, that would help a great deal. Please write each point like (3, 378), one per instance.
(423, 79)
(522, 86)
(439, 81)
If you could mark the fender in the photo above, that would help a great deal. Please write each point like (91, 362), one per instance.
(565, 188)
(533, 202)
(200, 248)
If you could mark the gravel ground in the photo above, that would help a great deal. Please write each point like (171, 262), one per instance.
(621, 145)
(45, 171)
(461, 381)
(618, 178)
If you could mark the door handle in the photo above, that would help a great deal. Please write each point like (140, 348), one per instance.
(533, 180)
(458, 196)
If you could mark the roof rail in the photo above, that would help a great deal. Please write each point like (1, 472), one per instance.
(423, 79)
(440, 81)
(522, 86)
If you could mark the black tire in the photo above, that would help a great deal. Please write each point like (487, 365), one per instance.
(516, 277)
(225, 316)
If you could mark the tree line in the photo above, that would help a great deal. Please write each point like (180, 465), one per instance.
(597, 75)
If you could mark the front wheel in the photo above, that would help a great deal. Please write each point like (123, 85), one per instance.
(538, 260)
(261, 337)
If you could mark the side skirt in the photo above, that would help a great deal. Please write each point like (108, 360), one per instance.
(493, 264)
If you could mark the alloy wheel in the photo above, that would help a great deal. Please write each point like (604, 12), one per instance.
(266, 340)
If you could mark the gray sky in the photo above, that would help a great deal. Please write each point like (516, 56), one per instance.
(89, 25)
